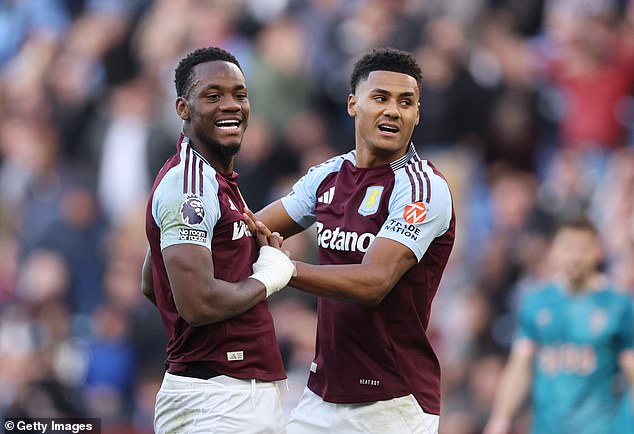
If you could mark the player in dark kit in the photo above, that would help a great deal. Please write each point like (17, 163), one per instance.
(222, 354)
(385, 229)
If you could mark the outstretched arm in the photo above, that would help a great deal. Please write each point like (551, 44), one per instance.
(513, 387)
(383, 264)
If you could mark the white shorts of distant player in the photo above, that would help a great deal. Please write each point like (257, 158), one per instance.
(395, 416)
(217, 406)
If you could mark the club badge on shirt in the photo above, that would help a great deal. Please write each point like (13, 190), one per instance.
(370, 203)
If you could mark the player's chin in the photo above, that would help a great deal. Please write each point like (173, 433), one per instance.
(231, 148)
(391, 143)
(226, 146)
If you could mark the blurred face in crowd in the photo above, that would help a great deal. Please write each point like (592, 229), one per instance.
(216, 107)
(385, 108)
(577, 253)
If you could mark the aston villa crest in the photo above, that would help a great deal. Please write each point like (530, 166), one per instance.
(370, 203)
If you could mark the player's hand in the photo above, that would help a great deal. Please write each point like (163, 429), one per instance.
(263, 235)
(274, 267)
(250, 219)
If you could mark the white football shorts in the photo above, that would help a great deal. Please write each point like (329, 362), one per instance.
(217, 406)
(394, 416)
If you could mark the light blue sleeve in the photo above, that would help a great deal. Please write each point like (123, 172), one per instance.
(185, 219)
(300, 202)
(417, 224)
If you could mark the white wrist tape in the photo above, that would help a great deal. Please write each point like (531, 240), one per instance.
(273, 268)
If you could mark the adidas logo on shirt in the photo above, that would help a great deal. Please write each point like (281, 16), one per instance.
(327, 196)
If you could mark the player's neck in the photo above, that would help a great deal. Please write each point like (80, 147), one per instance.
(367, 158)
(221, 163)
(592, 282)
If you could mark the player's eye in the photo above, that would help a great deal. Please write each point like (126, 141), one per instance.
(212, 97)
(406, 102)
(241, 97)
(379, 98)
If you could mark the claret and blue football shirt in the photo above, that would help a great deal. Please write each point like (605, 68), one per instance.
(368, 353)
(192, 203)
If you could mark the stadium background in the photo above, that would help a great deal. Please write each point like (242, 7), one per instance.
(87, 118)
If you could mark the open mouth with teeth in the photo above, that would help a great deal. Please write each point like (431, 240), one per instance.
(388, 129)
(228, 124)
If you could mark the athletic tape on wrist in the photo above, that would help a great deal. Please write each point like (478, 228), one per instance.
(273, 268)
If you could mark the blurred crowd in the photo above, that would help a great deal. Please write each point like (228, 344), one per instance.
(527, 107)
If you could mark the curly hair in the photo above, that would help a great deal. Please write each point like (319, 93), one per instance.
(183, 77)
(385, 59)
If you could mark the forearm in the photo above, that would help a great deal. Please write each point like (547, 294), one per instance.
(221, 300)
(513, 388)
(383, 265)
(359, 283)
(626, 360)
(148, 292)
(147, 281)
(201, 298)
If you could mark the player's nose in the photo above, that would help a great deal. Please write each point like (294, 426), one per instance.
(391, 110)
(230, 104)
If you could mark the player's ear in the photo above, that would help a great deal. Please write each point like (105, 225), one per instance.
(182, 108)
(352, 105)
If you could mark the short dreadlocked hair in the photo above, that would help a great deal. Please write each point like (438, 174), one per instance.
(385, 59)
(183, 77)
